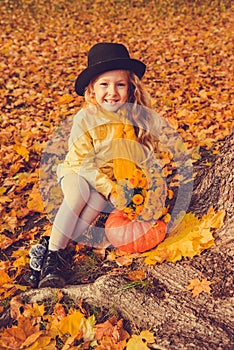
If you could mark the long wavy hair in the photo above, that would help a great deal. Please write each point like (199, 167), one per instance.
(139, 112)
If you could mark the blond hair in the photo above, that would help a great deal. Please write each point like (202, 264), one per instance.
(141, 118)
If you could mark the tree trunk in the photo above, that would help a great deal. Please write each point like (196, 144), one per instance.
(166, 307)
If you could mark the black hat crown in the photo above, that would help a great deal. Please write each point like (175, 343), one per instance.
(105, 52)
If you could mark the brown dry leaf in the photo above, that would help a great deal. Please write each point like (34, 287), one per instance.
(59, 311)
(108, 343)
(111, 332)
(10, 222)
(101, 252)
(136, 275)
(106, 328)
(124, 260)
(16, 307)
(5, 241)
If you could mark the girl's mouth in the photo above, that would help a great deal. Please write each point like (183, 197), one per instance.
(111, 102)
(111, 105)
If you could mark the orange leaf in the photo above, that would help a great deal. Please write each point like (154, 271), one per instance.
(35, 202)
(65, 99)
(5, 241)
(22, 151)
(4, 278)
(12, 338)
(112, 328)
(59, 311)
(197, 286)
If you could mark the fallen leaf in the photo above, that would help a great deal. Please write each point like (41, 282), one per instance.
(5, 241)
(124, 260)
(35, 202)
(22, 151)
(109, 328)
(188, 239)
(4, 278)
(197, 286)
(139, 342)
(136, 275)
(72, 323)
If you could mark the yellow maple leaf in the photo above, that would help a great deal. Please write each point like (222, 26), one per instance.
(42, 342)
(148, 336)
(72, 323)
(139, 342)
(197, 286)
(37, 310)
(188, 239)
(212, 219)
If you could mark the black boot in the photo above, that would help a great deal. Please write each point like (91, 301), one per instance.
(37, 254)
(53, 270)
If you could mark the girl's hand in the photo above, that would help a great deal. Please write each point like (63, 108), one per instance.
(112, 199)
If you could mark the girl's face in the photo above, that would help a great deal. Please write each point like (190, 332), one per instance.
(111, 89)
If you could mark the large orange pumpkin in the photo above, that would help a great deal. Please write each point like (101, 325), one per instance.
(133, 236)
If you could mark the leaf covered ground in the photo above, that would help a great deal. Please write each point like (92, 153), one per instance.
(187, 47)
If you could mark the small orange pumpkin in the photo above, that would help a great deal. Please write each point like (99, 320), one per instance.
(133, 236)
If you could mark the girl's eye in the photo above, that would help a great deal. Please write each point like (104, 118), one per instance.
(121, 84)
(103, 84)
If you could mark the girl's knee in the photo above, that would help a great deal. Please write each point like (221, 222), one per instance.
(76, 192)
(96, 201)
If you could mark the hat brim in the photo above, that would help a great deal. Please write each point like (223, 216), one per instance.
(89, 73)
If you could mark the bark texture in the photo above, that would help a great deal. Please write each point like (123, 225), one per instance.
(179, 320)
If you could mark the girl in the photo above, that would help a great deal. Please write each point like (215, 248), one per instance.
(108, 138)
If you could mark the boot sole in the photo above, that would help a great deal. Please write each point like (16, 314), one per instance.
(52, 281)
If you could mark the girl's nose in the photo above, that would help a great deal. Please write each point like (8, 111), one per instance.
(112, 89)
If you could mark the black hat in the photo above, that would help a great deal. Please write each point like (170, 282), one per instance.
(104, 57)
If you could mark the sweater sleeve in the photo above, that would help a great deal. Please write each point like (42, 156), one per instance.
(81, 158)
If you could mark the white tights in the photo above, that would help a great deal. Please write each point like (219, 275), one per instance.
(79, 209)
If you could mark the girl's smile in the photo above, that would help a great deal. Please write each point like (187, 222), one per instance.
(111, 89)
